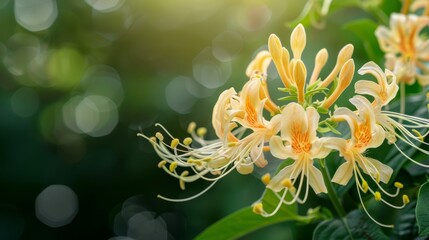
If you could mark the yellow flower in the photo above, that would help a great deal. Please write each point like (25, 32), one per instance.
(406, 51)
(383, 92)
(234, 116)
(365, 134)
(299, 142)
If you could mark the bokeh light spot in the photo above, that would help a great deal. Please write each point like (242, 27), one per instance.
(227, 46)
(103, 80)
(24, 102)
(210, 72)
(66, 67)
(56, 205)
(254, 17)
(144, 225)
(178, 97)
(196, 89)
(36, 15)
(21, 50)
(96, 115)
(105, 5)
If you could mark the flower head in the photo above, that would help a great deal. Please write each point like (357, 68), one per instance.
(406, 50)
(299, 142)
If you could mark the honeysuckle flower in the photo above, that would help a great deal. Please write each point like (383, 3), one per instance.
(257, 69)
(298, 141)
(241, 131)
(365, 134)
(293, 72)
(405, 127)
(406, 50)
(248, 111)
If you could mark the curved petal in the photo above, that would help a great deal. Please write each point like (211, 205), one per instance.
(347, 115)
(336, 144)
(316, 180)
(368, 87)
(319, 150)
(220, 116)
(260, 63)
(275, 124)
(278, 149)
(343, 174)
(378, 137)
(286, 173)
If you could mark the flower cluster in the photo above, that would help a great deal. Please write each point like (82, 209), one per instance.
(301, 129)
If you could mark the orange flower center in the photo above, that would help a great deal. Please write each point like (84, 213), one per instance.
(252, 115)
(300, 141)
(362, 135)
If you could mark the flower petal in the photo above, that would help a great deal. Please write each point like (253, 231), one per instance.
(294, 119)
(278, 149)
(316, 180)
(384, 170)
(343, 174)
(286, 173)
(313, 123)
(368, 87)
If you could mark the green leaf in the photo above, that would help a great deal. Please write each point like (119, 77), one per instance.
(361, 227)
(422, 210)
(406, 225)
(365, 30)
(245, 221)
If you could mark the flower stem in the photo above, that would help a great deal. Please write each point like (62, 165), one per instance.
(334, 197)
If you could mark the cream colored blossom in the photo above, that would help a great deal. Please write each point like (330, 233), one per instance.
(241, 130)
(397, 126)
(365, 134)
(299, 142)
(406, 49)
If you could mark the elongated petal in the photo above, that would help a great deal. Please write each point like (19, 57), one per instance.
(384, 170)
(378, 137)
(313, 123)
(343, 174)
(316, 180)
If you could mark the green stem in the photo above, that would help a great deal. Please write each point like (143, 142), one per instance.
(334, 197)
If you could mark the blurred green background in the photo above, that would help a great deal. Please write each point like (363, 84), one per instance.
(79, 80)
